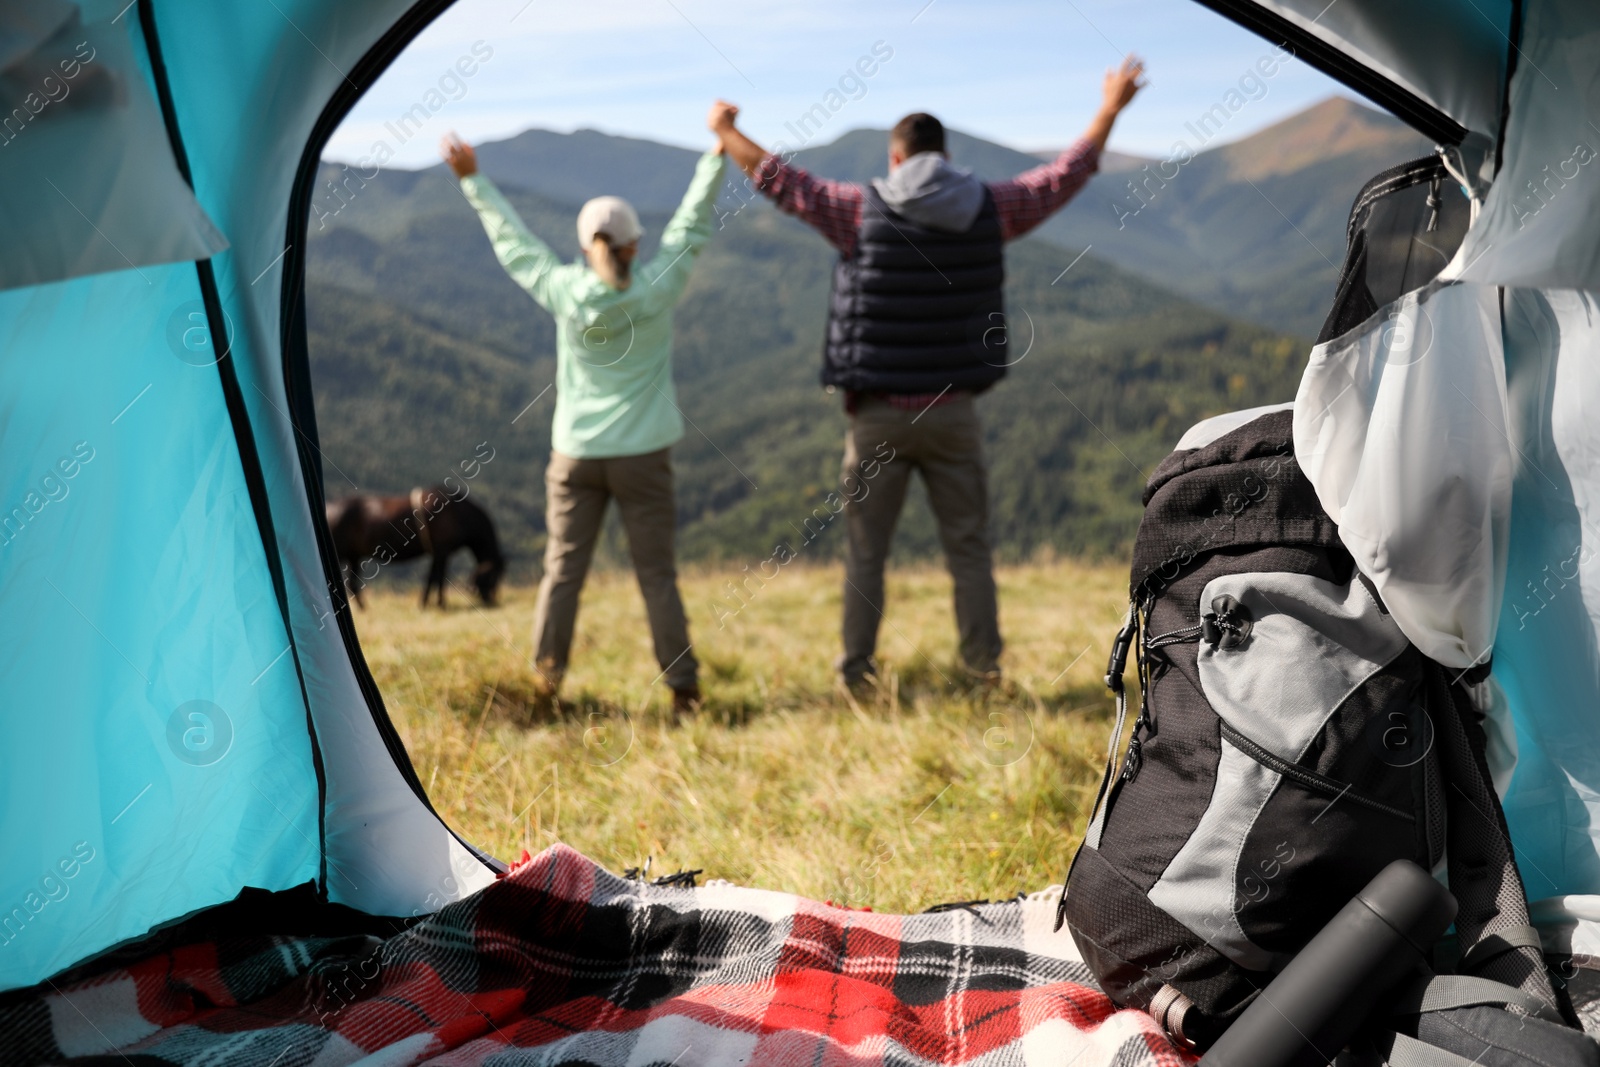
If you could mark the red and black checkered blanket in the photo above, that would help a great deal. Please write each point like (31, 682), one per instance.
(561, 962)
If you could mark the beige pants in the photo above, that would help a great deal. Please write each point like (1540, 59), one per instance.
(576, 494)
(945, 444)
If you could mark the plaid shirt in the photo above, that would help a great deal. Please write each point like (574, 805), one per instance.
(834, 208)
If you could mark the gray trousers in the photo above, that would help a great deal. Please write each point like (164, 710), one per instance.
(576, 494)
(945, 444)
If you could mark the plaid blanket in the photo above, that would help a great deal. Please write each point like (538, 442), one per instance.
(561, 962)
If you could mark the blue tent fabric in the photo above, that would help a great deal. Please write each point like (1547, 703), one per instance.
(1539, 225)
(90, 184)
(245, 116)
(173, 734)
(134, 584)
(1547, 653)
(186, 713)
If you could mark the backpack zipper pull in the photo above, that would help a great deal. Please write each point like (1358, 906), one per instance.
(1135, 757)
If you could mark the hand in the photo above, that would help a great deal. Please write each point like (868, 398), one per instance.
(1122, 84)
(720, 119)
(730, 141)
(459, 155)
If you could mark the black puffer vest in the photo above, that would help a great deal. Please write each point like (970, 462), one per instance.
(916, 310)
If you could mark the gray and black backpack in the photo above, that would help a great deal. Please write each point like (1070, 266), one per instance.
(1289, 744)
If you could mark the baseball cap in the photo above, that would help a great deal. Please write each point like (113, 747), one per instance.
(612, 216)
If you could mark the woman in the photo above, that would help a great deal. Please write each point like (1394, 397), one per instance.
(616, 417)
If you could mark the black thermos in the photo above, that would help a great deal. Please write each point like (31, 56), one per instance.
(1316, 1005)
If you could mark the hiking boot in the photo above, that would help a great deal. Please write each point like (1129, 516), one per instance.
(545, 705)
(686, 701)
(546, 689)
(986, 681)
(860, 687)
(547, 676)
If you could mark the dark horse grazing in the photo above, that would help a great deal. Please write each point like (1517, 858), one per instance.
(370, 531)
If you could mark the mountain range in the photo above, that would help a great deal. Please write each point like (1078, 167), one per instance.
(422, 349)
(1253, 228)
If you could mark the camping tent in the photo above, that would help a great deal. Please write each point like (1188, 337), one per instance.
(187, 711)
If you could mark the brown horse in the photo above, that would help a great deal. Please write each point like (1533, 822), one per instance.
(370, 531)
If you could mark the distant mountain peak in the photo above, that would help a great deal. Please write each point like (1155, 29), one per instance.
(1333, 127)
(1329, 127)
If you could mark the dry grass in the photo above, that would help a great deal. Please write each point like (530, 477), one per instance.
(928, 792)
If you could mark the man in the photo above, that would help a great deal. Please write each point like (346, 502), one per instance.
(615, 414)
(915, 332)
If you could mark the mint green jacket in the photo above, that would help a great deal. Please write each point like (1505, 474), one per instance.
(614, 394)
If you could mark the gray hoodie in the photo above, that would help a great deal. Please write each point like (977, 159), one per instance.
(930, 192)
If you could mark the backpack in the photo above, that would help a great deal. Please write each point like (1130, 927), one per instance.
(1289, 744)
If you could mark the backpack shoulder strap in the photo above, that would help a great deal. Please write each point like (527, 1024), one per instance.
(1451, 1020)
(1114, 681)
(1497, 940)
(1398, 1050)
(1445, 992)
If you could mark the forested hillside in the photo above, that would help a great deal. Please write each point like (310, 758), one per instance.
(422, 349)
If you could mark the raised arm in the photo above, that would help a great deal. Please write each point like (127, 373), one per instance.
(688, 230)
(528, 260)
(1034, 195)
(1117, 92)
(832, 208)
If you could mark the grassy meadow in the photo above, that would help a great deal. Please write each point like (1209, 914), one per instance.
(927, 791)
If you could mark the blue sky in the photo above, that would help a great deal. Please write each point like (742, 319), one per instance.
(1026, 74)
